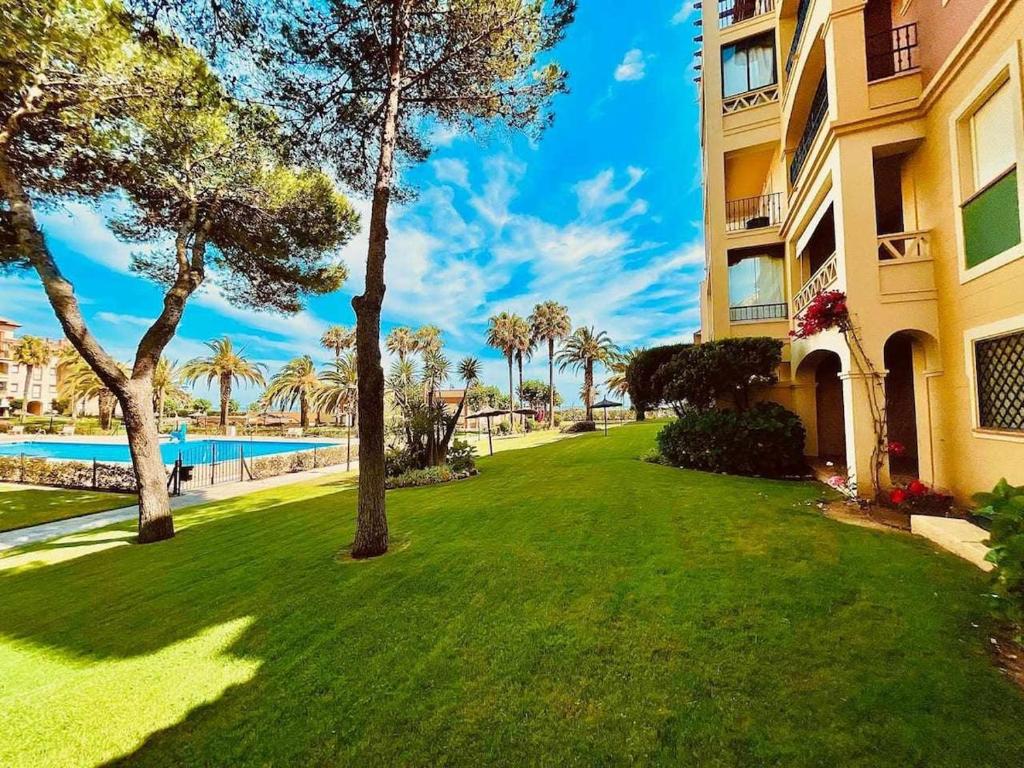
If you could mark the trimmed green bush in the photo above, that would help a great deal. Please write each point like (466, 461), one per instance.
(578, 426)
(462, 457)
(766, 440)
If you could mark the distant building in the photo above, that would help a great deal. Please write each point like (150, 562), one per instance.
(41, 390)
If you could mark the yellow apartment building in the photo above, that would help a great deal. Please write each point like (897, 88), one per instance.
(874, 148)
(41, 390)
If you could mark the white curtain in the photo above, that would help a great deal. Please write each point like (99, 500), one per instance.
(761, 64)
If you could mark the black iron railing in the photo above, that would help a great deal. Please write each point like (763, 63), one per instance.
(798, 31)
(734, 11)
(753, 212)
(892, 51)
(815, 117)
(758, 312)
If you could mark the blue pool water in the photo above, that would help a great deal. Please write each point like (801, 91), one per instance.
(192, 452)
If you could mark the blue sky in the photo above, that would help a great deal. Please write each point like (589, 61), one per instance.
(603, 215)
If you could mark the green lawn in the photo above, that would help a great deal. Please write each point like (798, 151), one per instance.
(571, 605)
(21, 506)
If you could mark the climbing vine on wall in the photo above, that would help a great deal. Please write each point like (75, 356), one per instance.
(829, 310)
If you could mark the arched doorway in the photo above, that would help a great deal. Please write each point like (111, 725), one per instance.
(829, 409)
(901, 406)
(35, 407)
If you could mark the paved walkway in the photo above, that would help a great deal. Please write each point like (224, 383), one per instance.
(54, 530)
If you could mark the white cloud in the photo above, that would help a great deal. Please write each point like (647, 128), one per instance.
(633, 66)
(451, 171)
(597, 195)
(442, 135)
(115, 318)
(684, 12)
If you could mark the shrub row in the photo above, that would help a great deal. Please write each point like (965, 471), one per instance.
(765, 440)
(68, 474)
(285, 463)
(429, 476)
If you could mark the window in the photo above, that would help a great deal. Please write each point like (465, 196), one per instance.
(999, 370)
(992, 150)
(748, 65)
(990, 211)
(756, 284)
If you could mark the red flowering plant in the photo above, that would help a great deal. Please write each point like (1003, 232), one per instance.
(827, 310)
(916, 498)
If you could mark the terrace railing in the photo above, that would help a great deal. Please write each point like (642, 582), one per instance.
(815, 117)
(824, 277)
(756, 312)
(734, 11)
(753, 212)
(798, 31)
(892, 52)
(749, 99)
(903, 245)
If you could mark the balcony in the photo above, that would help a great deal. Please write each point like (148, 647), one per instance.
(798, 31)
(892, 52)
(734, 11)
(758, 312)
(815, 118)
(6, 350)
(905, 269)
(823, 279)
(753, 212)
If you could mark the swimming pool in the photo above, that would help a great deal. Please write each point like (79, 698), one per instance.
(193, 451)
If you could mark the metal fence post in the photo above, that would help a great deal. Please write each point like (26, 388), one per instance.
(22, 466)
(213, 463)
(241, 462)
(94, 473)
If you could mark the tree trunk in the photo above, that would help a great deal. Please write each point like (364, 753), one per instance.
(588, 387)
(225, 398)
(641, 415)
(105, 406)
(551, 383)
(24, 397)
(155, 521)
(303, 411)
(371, 523)
(522, 416)
(160, 410)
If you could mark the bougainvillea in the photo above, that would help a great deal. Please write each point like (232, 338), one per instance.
(827, 310)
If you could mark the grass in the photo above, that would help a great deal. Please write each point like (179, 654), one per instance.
(21, 507)
(571, 605)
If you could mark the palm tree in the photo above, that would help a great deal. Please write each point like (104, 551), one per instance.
(80, 383)
(31, 352)
(166, 383)
(337, 339)
(502, 335)
(550, 322)
(402, 342)
(228, 367)
(296, 382)
(428, 339)
(580, 351)
(68, 360)
(436, 370)
(525, 344)
(338, 392)
(617, 382)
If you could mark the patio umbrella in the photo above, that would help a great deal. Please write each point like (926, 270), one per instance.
(604, 405)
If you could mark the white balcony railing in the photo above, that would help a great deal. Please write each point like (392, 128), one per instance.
(903, 245)
(750, 99)
(824, 277)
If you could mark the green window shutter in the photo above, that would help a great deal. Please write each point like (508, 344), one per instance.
(992, 220)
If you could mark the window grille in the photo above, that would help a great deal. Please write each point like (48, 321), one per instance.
(999, 364)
